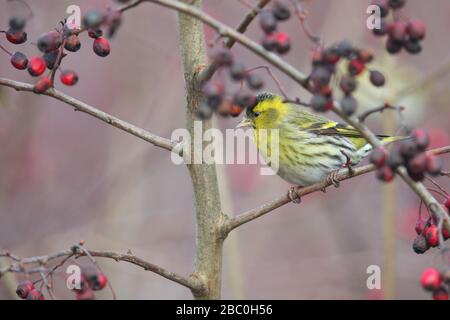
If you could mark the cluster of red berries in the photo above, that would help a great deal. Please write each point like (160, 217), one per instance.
(324, 62)
(54, 45)
(436, 282)
(214, 90)
(410, 153)
(274, 40)
(401, 34)
(91, 280)
(26, 290)
(427, 235)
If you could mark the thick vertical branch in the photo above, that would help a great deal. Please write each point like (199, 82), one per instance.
(208, 264)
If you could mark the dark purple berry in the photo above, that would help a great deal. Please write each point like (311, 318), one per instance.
(73, 43)
(377, 78)
(101, 47)
(49, 41)
(93, 19)
(19, 60)
(267, 21)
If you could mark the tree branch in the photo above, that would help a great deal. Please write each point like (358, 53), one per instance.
(302, 191)
(96, 113)
(20, 264)
(210, 69)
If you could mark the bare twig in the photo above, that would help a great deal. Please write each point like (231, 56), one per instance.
(96, 113)
(20, 266)
(209, 70)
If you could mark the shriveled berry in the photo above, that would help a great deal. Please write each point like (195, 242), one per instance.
(281, 11)
(50, 58)
(416, 29)
(244, 98)
(356, 67)
(349, 105)
(204, 112)
(222, 57)
(19, 60)
(377, 78)
(393, 46)
(237, 71)
(93, 19)
(417, 164)
(69, 77)
(420, 245)
(432, 235)
(267, 21)
(431, 279)
(16, 37)
(49, 41)
(395, 159)
(42, 85)
(72, 44)
(101, 47)
(378, 157)
(440, 294)
(396, 4)
(319, 103)
(254, 81)
(383, 5)
(348, 84)
(35, 295)
(95, 33)
(24, 288)
(85, 295)
(17, 23)
(385, 174)
(413, 46)
(36, 66)
(408, 149)
(214, 91)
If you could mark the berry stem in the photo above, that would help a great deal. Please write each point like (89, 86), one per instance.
(272, 75)
(6, 50)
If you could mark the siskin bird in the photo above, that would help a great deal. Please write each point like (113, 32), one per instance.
(311, 148)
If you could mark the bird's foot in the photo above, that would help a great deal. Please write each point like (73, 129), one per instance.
(348, 164)
(332, 178)
(293, 195)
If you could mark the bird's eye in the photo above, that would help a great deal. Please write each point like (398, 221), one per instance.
(256, 114)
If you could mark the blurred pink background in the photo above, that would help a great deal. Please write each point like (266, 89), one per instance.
(65, 176)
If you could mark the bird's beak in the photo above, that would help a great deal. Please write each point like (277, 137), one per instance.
(245, 123)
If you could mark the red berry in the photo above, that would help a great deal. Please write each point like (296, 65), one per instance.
(434, 164)
(385, 174)
(397, 30)
(356, 67)
(102, 281)
(24, 288)
(49, 41)
(42, 85)
(36, 66)
(421, 138)
(101, 47)
(447, 203)
(19, 60)
(378, 157)
(432, 235)
(417, 164)
(365, 55)
(420, 225)
(440, 294)
(283, 42)
(35, 295)
(69, 77)
(16, 37)
(431, 279)
(416, 29)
